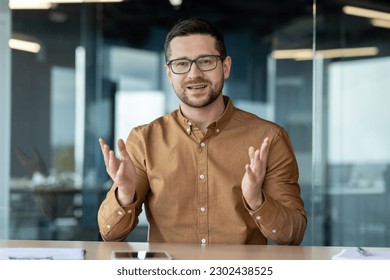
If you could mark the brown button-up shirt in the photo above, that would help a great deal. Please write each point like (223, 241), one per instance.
(191, 183)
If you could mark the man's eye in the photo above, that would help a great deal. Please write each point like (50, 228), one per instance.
(181, 63)
(205, 61)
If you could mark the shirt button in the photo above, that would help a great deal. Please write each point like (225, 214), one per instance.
(120, 213)
(129, 211)
(201, 176)
(217, 130)
(202, 209)
(258, 218)
(203, 144)
(204, 241)
(274, 230)
(108, 226)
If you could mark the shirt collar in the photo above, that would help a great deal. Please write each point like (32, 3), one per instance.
(227, 114)
(219, 124)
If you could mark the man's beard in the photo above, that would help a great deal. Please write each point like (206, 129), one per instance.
(211, 96)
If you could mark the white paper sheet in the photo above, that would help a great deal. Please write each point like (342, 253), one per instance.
(42, 253)
(353, 254)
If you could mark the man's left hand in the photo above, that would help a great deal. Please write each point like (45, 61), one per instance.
(253, 179)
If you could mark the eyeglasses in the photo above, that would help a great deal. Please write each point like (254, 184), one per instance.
(204, 63)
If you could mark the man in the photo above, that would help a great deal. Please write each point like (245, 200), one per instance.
(207, 172)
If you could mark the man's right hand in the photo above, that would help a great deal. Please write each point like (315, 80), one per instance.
(121, 170)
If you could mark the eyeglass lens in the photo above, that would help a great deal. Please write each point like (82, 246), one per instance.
(204, 63)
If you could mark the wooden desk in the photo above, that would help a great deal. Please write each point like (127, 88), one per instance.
(102, 250)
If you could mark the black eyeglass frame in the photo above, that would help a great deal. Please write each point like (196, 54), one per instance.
(169, 62)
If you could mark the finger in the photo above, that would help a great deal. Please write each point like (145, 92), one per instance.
(112, 164)
(105, 150)
(261, 156)
(121, 170)
(250, 174)
(121, 144)
(122, 150)
(257, 162)
(101, 142)
(251, 152)
(264, 150)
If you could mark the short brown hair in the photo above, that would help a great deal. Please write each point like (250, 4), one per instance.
(195, 26)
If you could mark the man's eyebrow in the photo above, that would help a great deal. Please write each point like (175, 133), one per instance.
(186, 57)
(182, 57)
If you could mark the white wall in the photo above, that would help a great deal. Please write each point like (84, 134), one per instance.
(359, 118)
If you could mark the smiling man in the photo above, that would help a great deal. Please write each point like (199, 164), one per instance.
(207, 172)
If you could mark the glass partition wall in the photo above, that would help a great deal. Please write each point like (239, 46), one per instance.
(351, 121)
(99, 72)
(45, 200)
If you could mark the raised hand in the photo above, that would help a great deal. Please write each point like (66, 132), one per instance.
(253, 179)
(121, 170)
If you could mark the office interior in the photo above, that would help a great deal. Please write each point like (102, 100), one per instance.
(319, 68)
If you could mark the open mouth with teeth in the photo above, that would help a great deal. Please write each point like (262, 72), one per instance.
(197, 87)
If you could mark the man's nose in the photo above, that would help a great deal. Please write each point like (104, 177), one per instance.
(194, 70)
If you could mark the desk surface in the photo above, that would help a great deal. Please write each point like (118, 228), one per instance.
(102, 250)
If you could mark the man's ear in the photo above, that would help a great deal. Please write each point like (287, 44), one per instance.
(168, 72)
(226, 64)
